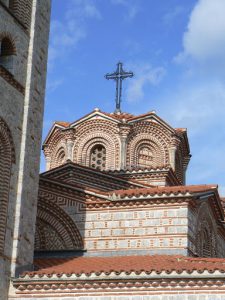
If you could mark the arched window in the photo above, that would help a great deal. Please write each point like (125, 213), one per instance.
(61, 157)
(7, 53)
(145, 156)
(98, 157)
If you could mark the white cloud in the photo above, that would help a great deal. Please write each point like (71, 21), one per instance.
(66, 34)
(197, 107)
(205, 36)
(145, 75)
(53, 84)
(132, 7)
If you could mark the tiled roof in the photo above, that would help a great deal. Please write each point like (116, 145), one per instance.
(64, 124)
(168, 190)
(180, 129)
(127, 264)
(119, 116)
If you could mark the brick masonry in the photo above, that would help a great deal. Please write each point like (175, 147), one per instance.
(22, 112)
(153, 296)
(151, 230)
(171, 227)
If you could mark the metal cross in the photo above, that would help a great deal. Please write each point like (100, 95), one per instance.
(119, 76)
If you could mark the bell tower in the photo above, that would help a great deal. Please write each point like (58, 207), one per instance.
(24, 31)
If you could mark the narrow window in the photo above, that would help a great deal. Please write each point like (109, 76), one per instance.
(98, 157)
(7, 53)
(61, 157)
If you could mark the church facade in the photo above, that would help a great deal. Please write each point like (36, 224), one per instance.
(112, 217)
(115, 219)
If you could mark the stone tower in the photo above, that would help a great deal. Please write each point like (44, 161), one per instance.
(24, 31)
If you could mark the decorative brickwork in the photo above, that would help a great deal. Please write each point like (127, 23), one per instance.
(22, 10)
(130, 142)
(98, 157)
(129, 220)
(60, 155)
(54, 229)
(152, 136)
(7, 157)
(206, 237)
(11, 80)
(93, 133)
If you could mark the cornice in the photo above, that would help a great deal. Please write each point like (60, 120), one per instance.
(119, 281)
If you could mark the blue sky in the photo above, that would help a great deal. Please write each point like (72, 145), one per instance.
(176, 50)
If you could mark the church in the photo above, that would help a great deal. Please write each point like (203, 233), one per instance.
(111, 218)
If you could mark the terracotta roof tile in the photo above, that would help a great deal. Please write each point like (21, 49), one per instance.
(164, 190)
(157, 263)
(180, 129)
(142, 115)
(64, 124)
(119, 116)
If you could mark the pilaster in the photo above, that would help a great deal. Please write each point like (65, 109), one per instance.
(124, 131)
(69, 136)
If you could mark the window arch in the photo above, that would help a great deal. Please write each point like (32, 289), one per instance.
(7, 157)
(148, 151)
(148, 154)
(206, 244)
(145, 156)
(60, 157)
(7, 53)
(98, 157)
(55, 230)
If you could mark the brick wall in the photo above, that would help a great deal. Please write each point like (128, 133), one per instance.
(156, 229)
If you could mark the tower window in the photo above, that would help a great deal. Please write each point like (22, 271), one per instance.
(98, 157)
(7, 53)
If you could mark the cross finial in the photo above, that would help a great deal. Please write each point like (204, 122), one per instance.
(119, 75)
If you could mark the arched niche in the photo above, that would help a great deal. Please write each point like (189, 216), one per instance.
(55, 230)
(7, 158)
